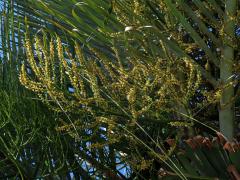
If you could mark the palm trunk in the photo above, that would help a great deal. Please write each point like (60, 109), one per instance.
(226, 110)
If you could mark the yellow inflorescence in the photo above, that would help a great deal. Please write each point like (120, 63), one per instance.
(137, 88)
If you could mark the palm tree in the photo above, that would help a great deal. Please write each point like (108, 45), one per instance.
(174, 30)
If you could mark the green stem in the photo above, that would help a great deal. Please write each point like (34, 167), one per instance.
(226, 109)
